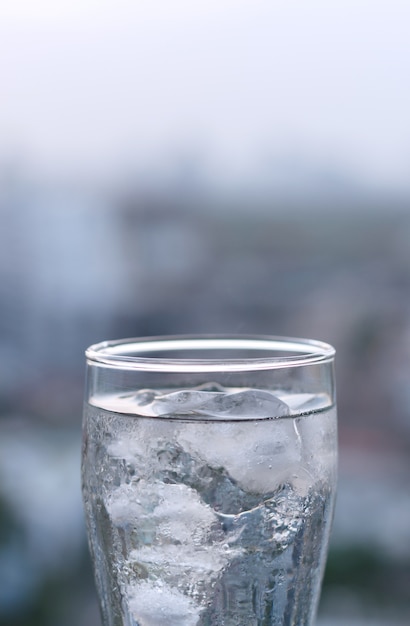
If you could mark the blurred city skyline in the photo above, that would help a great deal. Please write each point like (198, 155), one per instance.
(279, 95)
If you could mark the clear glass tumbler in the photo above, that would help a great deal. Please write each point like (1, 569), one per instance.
(209, 477)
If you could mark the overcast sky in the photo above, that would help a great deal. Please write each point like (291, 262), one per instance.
(240, 83)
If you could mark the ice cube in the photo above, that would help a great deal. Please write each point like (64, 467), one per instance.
(318, 435)
(211, 387)
(137, 440)
(259, 455)
(181, 515)
(174, 512)
(189, 549)
(212, 401)
(129, 503)
(142, 402)
(246, 404)
(126, 448)
(155, 603)
(182, 560)
(144, 397)
(182, 402)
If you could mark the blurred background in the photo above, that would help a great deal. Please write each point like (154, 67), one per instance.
(215, 166)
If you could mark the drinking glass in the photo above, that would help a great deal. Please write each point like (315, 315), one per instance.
(209, 477)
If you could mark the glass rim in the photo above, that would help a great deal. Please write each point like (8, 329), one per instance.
(304, 352)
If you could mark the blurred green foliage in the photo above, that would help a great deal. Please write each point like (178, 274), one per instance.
(376, 578)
